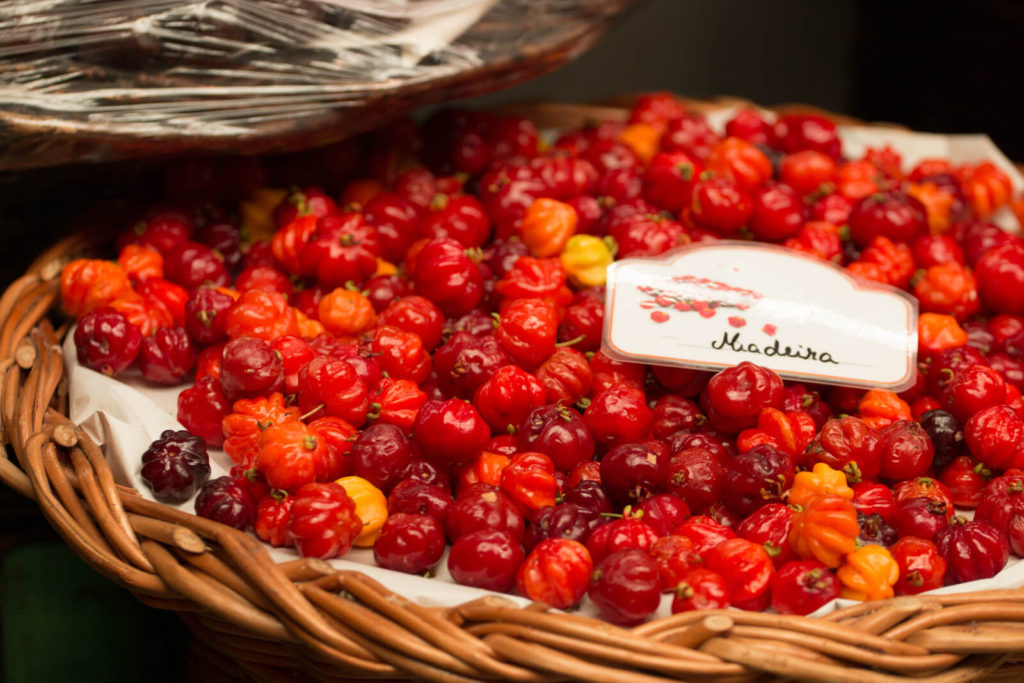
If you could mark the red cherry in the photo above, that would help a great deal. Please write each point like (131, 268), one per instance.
(487, 559)
(105, 341)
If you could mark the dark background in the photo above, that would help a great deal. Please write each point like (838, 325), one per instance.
(935, 66)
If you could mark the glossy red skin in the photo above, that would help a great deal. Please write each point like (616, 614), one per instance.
(999, 273)
(994, 437)
(689, 133)
(272, 517)
(400, 354)
(802, 586)
(466, 361)
(610, 373)
(646, 235)
(1002, 501)
(895, 215)
(972, 390)
(451, 432)
(673, 413)
(610, 155)
(921, 517)
(925, 487)
(907, 451)
(417, 315)
(175, 465)
(921, 566)
(556, 572)
(618, 416)
(706, 534)
(871, 497)
(508, 397)
(966, 479)
(309, 201)
(295, 352)
(778, 212)
(528, 331)
(807, 171)
(620, 185)
(565, 520)
(343, 249)
(396, 221)
(675, 557)
(380, 454)
(977, 237)
(487, 559)
(626, 587)
(720, 205)
(106, 342)
(459, 217)
(482, 507)
(632, 472)
(946, 364)
(409, 543)
(748, 125)
(560, 433)
(333, 383)
(620, 534)
(264, 315)
(534, 278)
(745, 566)
(656, 108)
(224, 500)
(381, 290)
(565, 175)
(168, 356)
(669, 179)
(506, 191)
(972, 549)
(664, 512)
(696, 475)
(797, 132)
(834, 208)
(565, 376)
(737, 395)
(415, 496)
(205, 314)
(164, 229)
(191, 265)
(397, 402)
(934, 250)
(762, 474)
(701, 589)
(769, 526)
(202, 407)
(529, 482)
(250, 368)
(338, 436)
(266, 278)
(585, 319)
(446, 276)
(173, 297)
(323, 522)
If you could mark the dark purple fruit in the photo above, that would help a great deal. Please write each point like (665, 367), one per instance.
(175, 466)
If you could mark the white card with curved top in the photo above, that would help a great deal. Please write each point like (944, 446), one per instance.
(713, 305)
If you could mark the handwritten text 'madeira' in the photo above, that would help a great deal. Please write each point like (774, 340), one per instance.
(733, 343)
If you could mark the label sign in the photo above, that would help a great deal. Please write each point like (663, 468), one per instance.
(715, 304)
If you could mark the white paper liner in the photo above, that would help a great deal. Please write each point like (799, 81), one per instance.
(125, 415)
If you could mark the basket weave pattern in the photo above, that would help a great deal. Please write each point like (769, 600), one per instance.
(302, 620)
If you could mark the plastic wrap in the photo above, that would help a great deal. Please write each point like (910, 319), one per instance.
(98, 80)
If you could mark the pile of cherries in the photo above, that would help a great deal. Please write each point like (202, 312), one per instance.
(427, 329)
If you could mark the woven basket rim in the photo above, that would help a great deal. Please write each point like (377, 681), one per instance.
(274, 619)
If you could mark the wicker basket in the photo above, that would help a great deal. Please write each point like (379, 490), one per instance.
(302, 620)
